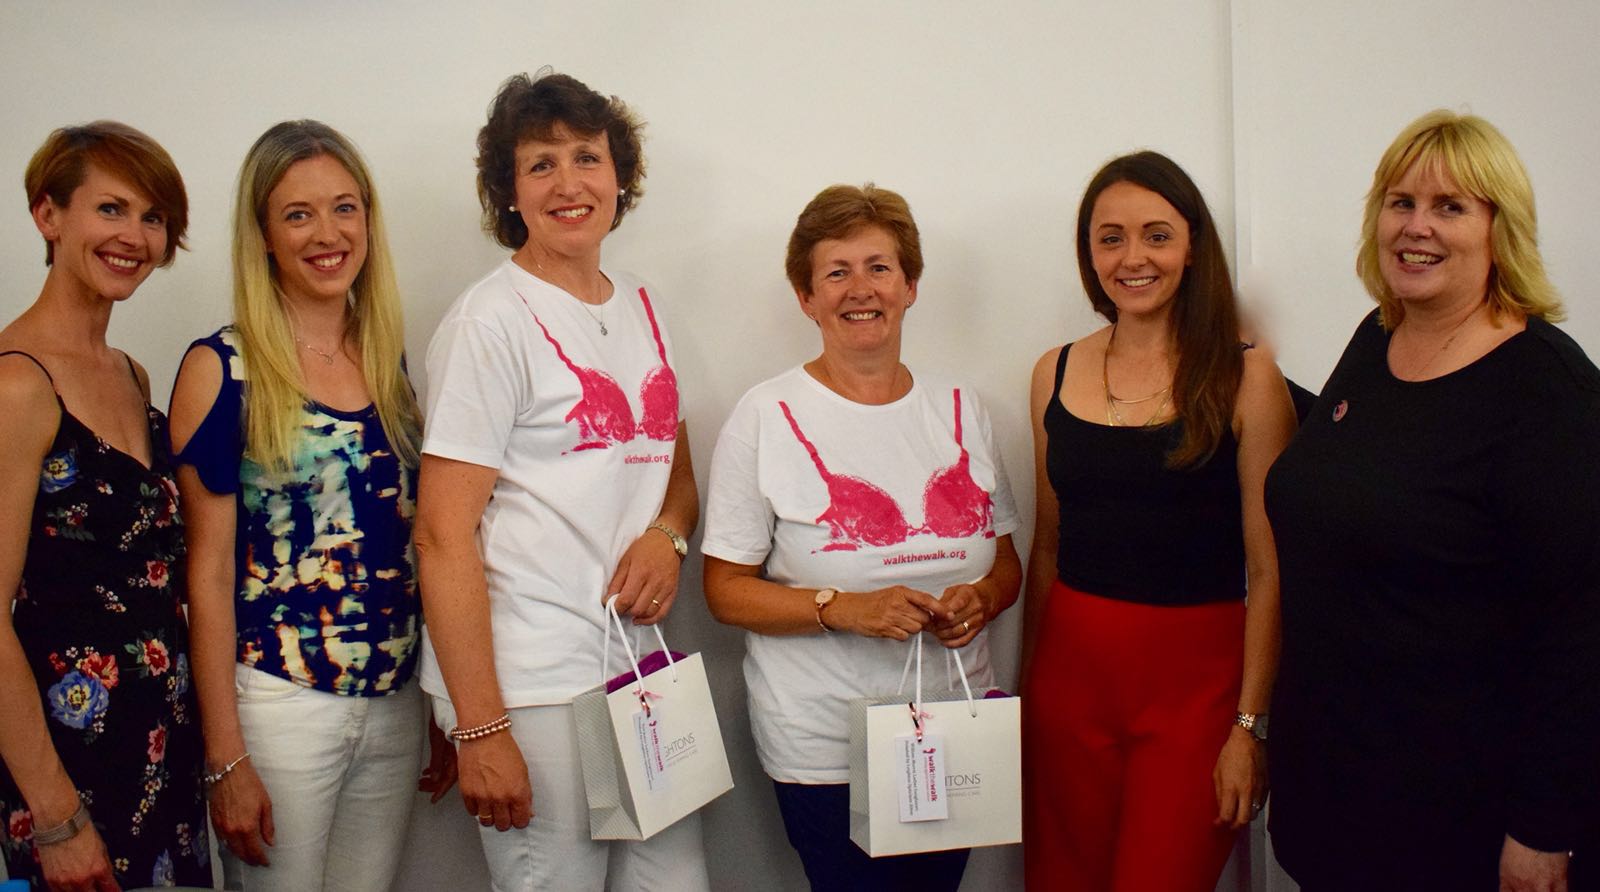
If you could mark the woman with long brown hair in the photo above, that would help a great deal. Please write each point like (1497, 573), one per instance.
(1146, 676)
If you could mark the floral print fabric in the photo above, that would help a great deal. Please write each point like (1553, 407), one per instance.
(326, 593)
(101, 625)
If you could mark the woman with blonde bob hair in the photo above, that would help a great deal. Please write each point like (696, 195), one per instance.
(1438, 530)
(297, 434)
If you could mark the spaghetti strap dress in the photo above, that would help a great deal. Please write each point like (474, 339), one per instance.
(101, 625)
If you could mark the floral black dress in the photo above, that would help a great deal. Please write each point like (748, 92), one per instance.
(104, 634)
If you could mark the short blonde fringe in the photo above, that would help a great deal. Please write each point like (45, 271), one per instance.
(1481, 161)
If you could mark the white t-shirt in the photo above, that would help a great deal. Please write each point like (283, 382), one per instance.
(829, 492)
(581, 426)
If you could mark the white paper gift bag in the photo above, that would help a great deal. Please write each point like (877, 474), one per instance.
(935, 773)
(651, 750)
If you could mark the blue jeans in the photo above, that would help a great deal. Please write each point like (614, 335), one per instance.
(817, 820)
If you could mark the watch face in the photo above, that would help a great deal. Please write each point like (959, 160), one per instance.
(825, 597)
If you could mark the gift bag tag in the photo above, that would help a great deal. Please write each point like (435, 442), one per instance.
(652, 749)
(920, 778)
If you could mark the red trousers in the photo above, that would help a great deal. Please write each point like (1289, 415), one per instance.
(1127, 707)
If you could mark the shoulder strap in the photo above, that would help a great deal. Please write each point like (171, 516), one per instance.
(131, 370)
(1061, 369)
(36, 362)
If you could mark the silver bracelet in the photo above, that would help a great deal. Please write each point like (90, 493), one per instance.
(65, 830)
(213, 779)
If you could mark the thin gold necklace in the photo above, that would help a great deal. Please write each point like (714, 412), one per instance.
(1113, 416)
(1454, 333)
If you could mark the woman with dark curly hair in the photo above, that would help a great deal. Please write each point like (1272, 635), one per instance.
(555, 474)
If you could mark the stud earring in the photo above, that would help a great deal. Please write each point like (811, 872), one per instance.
(512, 208)
(622, 193)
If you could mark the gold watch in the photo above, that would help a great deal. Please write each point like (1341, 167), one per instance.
(823, 599)
(1254, 722)
(678, 543)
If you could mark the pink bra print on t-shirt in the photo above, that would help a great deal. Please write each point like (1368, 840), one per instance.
(861, 513)
(602, 413)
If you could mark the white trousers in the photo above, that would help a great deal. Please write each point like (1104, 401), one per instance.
(554, 851)
(341, 772)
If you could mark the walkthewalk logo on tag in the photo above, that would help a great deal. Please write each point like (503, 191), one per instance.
(921, 779)
(647, 728)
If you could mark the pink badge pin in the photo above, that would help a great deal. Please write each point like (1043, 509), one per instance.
(1340, 410)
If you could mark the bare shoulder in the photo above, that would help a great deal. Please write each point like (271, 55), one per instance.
(1045, 368)
(1263, 394)
(1260, 370)
(195, 391)
(1044, 379)
(28, 403)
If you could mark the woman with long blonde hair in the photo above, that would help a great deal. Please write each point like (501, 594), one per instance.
(297, 432)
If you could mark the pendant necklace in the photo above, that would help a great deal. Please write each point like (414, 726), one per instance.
(327, 355)
(598, 319)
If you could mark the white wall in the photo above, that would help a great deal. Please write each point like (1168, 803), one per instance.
(989, 118)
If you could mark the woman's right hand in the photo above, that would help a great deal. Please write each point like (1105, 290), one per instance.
(241, 812)
(494, 781)
(79, 864)
(895, 612)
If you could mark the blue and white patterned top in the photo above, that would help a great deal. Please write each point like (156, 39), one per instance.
(326, 590)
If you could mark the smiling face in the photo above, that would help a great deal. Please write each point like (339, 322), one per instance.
(1139, 244)
(107, 238)
(1434, 239)
(566, 190)
(859, 293)
(316, 229)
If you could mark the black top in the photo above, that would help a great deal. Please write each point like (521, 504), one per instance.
(1439, 551)
(98, 617)
(1134, 529)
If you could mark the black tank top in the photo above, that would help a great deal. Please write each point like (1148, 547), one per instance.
(1133, 529)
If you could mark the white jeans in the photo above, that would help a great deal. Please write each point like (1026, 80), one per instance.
(341, 772)
(554, 851)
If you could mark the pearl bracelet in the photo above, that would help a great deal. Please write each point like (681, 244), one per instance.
(502, 723)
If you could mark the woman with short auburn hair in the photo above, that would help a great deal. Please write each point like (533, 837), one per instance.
(854, 506)
(100, 787)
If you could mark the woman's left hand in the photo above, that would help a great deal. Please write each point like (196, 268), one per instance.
(969, 613)
(646, 581)
(440, 775)
(1529, 870)
(1240, 779)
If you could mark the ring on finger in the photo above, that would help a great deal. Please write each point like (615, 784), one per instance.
(966, 626)
(655, 602)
